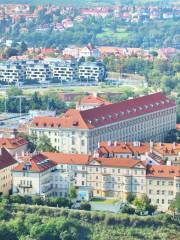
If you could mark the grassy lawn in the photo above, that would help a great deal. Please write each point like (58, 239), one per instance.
(104, 201)
(108, 33)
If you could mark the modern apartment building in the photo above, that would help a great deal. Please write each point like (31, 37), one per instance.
(144, 118)
(64, 71)
(91, 71)
(7, 163)
(11, 72)
(38, 71)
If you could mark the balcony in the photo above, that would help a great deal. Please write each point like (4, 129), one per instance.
(24, 185)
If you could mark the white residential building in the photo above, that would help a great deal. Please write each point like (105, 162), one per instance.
(92, 71)
(38, 71)
(64, 70)
(11, 72)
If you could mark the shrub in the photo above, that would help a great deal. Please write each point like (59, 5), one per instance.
(85, 206)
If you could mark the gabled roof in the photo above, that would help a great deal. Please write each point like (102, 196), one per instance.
(107, 114)
(117, 162)
(163, 171)
(63, 158)
(6, 159)
(123, 147)
(167, 148)
(38, 163)
(91, 99)
(12, 143)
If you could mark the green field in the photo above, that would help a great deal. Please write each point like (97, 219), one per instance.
(108, 33)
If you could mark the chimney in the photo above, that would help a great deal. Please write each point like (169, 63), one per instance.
(109, 143)
(174, 145)
(115, 143)
(151, 146)
(94, 94)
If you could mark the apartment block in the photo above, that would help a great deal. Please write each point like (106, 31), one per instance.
(143, 119)
(11, 72)
(91, 71)
(38, 71)
(64, 70)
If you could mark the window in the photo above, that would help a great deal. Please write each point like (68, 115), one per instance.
(150, 191)
(82, 142)
(170, 193)
(82, 183)
(158, 192)
(157, 201)
(162, 201)
(170, 183)
(158, 182)
(150, 182)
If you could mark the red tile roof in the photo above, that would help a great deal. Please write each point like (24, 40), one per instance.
(108, 114)
(6, 159)
(163, 171)
(118, 162)
(38, 163)
(63, 158)
(12, 143)
(93, 100)
(123, 147)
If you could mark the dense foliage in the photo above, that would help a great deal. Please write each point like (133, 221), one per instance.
(35, 101)
(25, 222)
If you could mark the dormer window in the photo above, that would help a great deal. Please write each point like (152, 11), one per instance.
(75, 123)
(162, 102)
(128, 111)
(36, 124)
(110, 116)
(140, 108)
(44, 124)
(122, 113)
(134, 109)
(52, 124)
(146, 106)
(96, 119)
(151, 105)
(103, 118)
(89, 121)
(157, 104)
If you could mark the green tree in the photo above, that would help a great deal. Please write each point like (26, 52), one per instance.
(44, 145)
(72, 192)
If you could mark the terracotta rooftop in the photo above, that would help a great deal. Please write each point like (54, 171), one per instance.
(107, 114)
(91, 99)
(123, 147)
(167, 148)
(12, 143)
(163, 171)
(38, 163)
(117, 162)
(63, 158)
(6, 159)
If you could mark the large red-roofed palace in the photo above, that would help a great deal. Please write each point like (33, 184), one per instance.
(144, 118)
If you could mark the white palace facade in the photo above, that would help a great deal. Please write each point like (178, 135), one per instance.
(144, 118)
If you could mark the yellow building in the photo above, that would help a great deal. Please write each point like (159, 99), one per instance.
(7, 163)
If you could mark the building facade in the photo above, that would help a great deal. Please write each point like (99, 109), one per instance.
(145, 118)
(11, 72)
(38, 71)
(7, 163)
(97, 177)
(34, 177)
(64, 71)
(93, 71)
